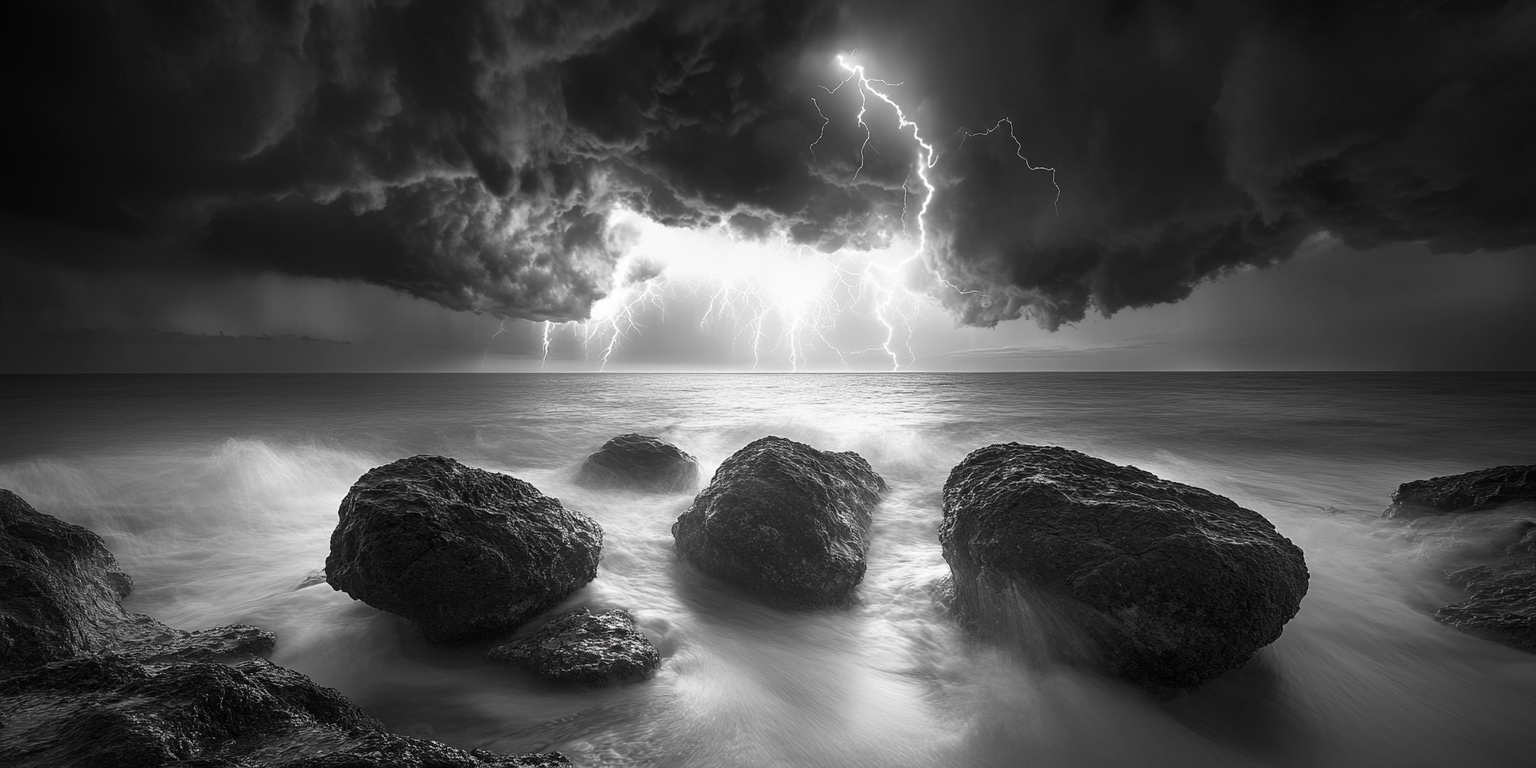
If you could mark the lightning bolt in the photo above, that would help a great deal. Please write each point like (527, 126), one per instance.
(1019, 151)
(500, 326)
(793, 301)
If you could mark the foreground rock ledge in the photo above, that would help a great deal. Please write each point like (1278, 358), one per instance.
(1162, 584)
(641, 463)
(61, 594)
(1466, 492)
(110, 711)
(1502, 606)
(584, 647)
(463, 553)
(785, 521)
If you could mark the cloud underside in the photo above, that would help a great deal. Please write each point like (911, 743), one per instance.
(470, 152)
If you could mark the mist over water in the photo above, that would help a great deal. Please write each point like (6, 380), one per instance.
(218, 494)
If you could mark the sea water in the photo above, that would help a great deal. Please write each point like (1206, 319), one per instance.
(219, 494)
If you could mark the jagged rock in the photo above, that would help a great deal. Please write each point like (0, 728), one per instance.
(1502, 605)
(60, 595)
(1466, 492)
(584, 647)
(311, 579)
(784, 520)
(1162, 584)
(640, 463)
(463, 553)
(110, 711)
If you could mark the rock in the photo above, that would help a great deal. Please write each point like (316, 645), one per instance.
(1163, 584)
(463, 553)
(313, 578)
(1502, 606)
(583, 647)
(111, 711)
(785, 521)
(1466, 492)
(60, 595)
(640, 463)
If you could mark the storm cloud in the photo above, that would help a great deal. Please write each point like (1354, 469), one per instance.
(470, 152)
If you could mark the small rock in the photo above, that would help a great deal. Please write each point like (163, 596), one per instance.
(1163, 584)
(312, 578)
(584, 647)
(640, 463)
(1466, 492)
(785, 521)
(463, 553)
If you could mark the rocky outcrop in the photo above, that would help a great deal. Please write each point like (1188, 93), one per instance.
(584, 647)
(111, 711)
(60, 595)
(463, 553)
(641, 463)
(785, 521)
(1162, 584)
(1502, 604)
(1466, 492)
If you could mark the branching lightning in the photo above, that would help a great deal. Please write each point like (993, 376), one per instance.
(794, 300)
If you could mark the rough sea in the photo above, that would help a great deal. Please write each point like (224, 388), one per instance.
(219, 494)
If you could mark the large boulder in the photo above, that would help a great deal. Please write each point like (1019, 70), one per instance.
(1162, 584)
(1466, 492)
(1502, 604)
(61, 594)
(463, 553)
(111, 711)
(641, 463)
(584, 647)
(785, 521)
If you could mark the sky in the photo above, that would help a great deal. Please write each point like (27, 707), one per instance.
(773, 185)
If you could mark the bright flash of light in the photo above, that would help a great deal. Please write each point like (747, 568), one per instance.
(775, 298)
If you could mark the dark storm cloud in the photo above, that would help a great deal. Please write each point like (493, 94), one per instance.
(469, 152)
(1195, 138)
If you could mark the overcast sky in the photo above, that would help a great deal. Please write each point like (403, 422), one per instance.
(500, 186)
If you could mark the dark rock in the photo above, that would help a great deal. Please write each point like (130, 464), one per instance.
(1163, 584)
(640, 463)
(584, 647)
(110, 711)
(463, 553)
(1466, 492)
(1502, 606)
(785, 521)
(60, 595)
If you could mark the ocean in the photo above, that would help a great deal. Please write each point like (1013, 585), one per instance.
(219, 494)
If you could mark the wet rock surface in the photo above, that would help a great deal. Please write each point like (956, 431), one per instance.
(1162, 584)
(784, 521)
(584, 647)
(61, 594)
(463, 553)
(642, 463)
(111, 711)
(1502, 604)
(1466, 492)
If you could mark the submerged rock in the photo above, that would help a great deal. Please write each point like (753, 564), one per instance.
(463, 553)
(640, 463)
(110, 711)
(1466, 492)
(584, 647)
(1502, 606)
(1163, 584)
(61, 594)
(784, 520)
